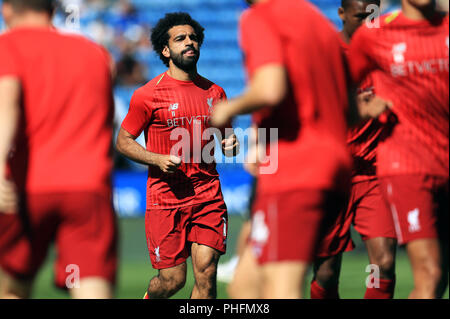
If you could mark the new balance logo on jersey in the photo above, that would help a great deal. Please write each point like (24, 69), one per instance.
(173, 107)
(398, 51)
(413, 220)
(158, 257)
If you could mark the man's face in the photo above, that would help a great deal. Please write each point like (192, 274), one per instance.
(354, 15)
(183, 48)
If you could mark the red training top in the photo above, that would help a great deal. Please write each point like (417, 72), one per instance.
(166, 107)
(413, 59)
(64, 141)
(311, 122)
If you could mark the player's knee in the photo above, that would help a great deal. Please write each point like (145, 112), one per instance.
(434, 272)
(327, 276)
(174, 283)
(429, 272)
(386, 263)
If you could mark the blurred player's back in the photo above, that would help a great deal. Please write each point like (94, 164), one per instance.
(67, 110)
(61, 159)
(311, 121)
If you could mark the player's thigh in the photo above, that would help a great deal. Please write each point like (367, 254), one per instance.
(425, 257)
(209, 225)
(86, 239)
(247, 279)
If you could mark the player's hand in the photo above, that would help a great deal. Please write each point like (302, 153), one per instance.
(169, 163)
(230, 146)
(220, 115)
(371, 106)
(8, 197)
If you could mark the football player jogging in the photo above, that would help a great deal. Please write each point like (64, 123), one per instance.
(186, 214)
(56, 116)
(297, 84)
(410, 50)
(366, 208)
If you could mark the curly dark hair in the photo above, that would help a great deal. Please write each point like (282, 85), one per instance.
(346, 3)
(160, 33)
(35, 5)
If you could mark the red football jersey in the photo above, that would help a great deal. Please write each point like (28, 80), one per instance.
(311, 120)
(158, 108)
(64, 139)
(413, 60)
(363, 138)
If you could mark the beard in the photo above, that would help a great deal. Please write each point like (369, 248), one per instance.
(185, 63)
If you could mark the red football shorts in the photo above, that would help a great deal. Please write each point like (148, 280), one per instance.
(367, 211)
(82, 225)
(419, 206)
(287, 226)
(170, 232)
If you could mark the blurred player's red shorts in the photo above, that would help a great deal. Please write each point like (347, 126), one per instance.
(368, 213)
(83, 226)
(419, 206)
(170, 232)
(287, 226)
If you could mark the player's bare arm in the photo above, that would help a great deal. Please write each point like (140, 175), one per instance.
(267, 88)
(9, 114)
(126, 144)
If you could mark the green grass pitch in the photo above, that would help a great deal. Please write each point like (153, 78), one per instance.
(135, 269)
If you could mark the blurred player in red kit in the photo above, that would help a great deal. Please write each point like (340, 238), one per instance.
(56, 113)
(366, 209)
(297, 84)
(186, 214)
(410, 50)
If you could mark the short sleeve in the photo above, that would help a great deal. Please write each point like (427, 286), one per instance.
(139, 114)
(360, 60)
(259, 41)
(8, 60)
(222, 94)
